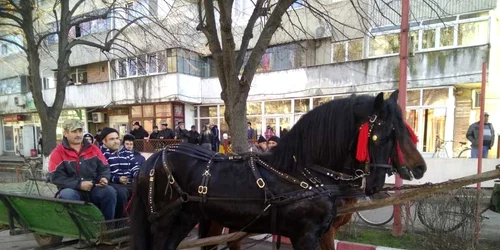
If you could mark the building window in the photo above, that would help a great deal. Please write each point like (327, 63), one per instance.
(472, 33)
(428, 39)
(4, 50)
(10, 86)
(79, 76)
(476, 98)
(348, 51)
(132, 66)
(152, 64)
(384, 45)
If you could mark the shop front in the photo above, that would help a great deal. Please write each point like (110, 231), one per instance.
(21, 133)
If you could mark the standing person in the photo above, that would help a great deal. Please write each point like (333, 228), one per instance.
(138, 131)
(194, 136)
(215, 137)
(269, 132)
(165, 132)
(97, 137)
(251, 133)
(155, 134)
(206, 137)
(80, 171)
(123, 166)
(128, 144)
(181, 132)
(488, 137)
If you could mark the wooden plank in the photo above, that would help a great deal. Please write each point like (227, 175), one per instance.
(421, 192)
(214, 240)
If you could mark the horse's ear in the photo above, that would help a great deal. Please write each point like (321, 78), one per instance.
(379, 102)
(394, 96)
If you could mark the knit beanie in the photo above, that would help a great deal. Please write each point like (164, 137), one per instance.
(106, 131)
(128, 137)
(275, 139)
(261, 139)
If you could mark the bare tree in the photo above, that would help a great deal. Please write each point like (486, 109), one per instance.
(20, 17)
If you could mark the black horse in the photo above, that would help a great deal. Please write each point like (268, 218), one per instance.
(330, 153)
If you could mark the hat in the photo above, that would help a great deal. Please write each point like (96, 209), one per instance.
(72, 125)
(275, 139)
(86, 135)
(106, 131)
(137, 123)
(128, 137)
(193, 126)
(164, 124)
(261, 139)
(486, 114)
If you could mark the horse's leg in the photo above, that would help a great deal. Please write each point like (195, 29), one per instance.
(307, 240)
(234, 245)
(183, 223)
(209, 228)
(327, 241)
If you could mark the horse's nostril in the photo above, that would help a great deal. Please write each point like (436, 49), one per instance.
(419, 170)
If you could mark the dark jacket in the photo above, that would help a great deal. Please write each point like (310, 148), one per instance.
(68, 168)
(121, 163)
(140, 133)
(155, 135)
(139, 158)
(166, 134)
(181, 134)
(473, 135)
(194, 137)
(206, 138)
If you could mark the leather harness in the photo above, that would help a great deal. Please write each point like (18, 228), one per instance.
(315, 188)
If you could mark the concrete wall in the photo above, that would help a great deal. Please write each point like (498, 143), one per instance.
(438, 68)
(439, 170)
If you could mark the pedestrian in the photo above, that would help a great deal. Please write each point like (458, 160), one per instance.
(138, 131)
(80, 171)
(488, 137)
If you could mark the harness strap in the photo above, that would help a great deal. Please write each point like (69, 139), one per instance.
(151, 191)
(170, 177)
(284, 176)
(203, 188)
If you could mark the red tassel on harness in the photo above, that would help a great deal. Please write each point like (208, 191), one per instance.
(414, 137)
(362, 149)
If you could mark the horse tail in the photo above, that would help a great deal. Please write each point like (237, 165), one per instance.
(140, 232)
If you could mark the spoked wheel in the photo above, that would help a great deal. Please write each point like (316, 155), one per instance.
(464, 153)
(47, 239)
(378, 216)
(441, 214)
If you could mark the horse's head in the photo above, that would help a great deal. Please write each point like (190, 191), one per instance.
(386, 145)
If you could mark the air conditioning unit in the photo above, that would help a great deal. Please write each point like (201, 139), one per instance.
(97, 117)
(19, 101)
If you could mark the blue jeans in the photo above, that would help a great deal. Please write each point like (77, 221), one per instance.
(122, 196)
(103, 197)
(475, 152)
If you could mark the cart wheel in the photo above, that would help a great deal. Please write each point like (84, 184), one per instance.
(47, 239)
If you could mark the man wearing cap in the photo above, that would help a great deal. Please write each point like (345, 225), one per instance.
(261, 146)
(138, 131)
(488, 137)
(80, 171)
(123, 168)
(165, 132)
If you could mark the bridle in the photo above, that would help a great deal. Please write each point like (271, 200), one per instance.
(364, 149)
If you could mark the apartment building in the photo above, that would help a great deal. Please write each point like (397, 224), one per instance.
(171, 82)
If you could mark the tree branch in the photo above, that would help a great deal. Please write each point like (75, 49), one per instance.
(43, 37)
(75, 8)
(15, 43)
(248, 34)
(264, 40)
(210, 31)
(4, 14)
(10, 24)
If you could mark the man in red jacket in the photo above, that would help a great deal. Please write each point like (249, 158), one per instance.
(81, 172)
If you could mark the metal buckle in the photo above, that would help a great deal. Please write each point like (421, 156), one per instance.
(207, 174)
(152, 172)
(304, 185)
(200, 189)
(260, 182)
(373, 118)
(205, 190)
(171, 179)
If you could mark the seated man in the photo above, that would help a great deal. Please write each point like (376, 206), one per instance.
(123, 166)
(128, 144)
(80, 171)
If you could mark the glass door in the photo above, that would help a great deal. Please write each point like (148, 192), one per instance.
(278, 124)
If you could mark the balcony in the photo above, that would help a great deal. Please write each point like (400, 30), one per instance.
(426, 69)
(146, 89)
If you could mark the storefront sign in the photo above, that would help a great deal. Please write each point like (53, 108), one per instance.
(13, 118)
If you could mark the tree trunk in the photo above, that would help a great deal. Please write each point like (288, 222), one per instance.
(235, 114)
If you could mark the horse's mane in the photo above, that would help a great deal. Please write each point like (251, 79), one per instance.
(323, 136)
